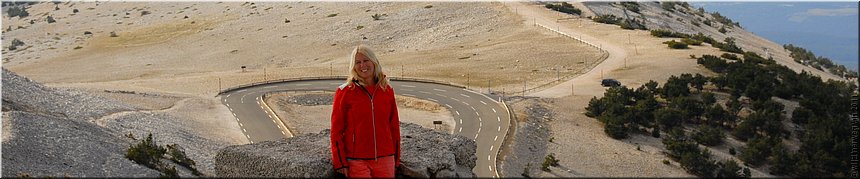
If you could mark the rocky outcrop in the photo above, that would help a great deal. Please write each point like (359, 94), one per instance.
(426, 153)
(47, 134)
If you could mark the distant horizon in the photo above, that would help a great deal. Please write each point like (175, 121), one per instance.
(828, 29)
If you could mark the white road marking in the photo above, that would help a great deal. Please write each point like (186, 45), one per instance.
(409, 95)
(476, 113)
(234, 115)
(279, 126)
(240, 125)
(461, 130)
(243, 90)
(479, 130)
(491, 148)
(243, 129)
(228, 96)
(473, 108)
(479, 119)
(282, 132)
(494, 138)
(228, 105)
(439, 90)
(480, 124)
(449, 106)
(488, 158)
(461, 120)
(464, 95)
(482, 102)
(476, 136)
(237, 119)
(431, 99)
(458, 112)
(424, 92)
(489, 167)
(410, 86)
(303, 84)
(500, 128)
(404, 89)
(442, 95)
(499, 119)
(455, 99)
(494, 110)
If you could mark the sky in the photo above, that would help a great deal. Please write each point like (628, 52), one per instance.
(828, 29)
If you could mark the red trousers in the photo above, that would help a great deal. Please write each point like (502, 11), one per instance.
(375, 168)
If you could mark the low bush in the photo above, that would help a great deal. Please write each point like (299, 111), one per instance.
(676, 45)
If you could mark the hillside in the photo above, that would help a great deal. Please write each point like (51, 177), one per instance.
(683, 18)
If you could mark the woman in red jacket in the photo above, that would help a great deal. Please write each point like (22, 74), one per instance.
(365, 128)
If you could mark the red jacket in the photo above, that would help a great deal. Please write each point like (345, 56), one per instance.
(362, 127)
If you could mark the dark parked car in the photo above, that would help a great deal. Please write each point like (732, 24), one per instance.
(610, 83)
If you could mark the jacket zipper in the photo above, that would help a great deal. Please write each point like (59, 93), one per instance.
(373, 122)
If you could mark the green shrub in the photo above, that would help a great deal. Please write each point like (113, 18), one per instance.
(548, 161)
(606, 19)
(668, 33)
(708, 136)
(691, 41)
(675, 45)
(16, 11)
(376, 16)
(332, 15)
(632, 24)
(15, 44)
(177, 155)
(146, 153)
(50, 19)
(631, 6)
(564, 7)
(723, 30)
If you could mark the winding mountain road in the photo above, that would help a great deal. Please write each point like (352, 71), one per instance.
(476, 116)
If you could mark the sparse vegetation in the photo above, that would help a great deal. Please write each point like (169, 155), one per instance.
(676, 45)
(548, 161)
(728, 45)
(50, 19)
(630, 6)
(428, 6)
(332, 15)
(690, 41)
(113, 34)
(15, 44)
(607, 19)
(806, 57)
(148, 153)
(723, 30)
(564, 7)
(16, 11)
(823, 110)
(359, 27)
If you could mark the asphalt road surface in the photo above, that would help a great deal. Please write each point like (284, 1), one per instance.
(476, 116)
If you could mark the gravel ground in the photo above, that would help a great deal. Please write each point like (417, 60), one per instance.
(22, 94)
(168, 129)
(529, 146)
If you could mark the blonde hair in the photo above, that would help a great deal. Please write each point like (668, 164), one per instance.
(379, 76)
